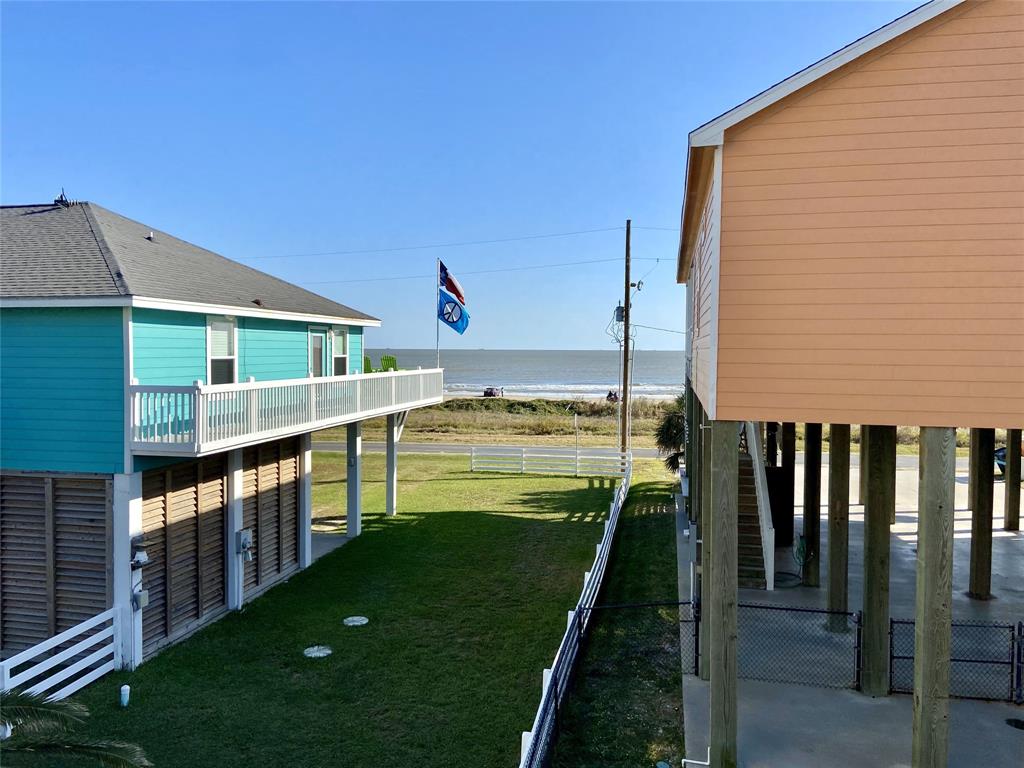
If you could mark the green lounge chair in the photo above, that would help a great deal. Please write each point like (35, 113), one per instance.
(388, 363)
(367, 365)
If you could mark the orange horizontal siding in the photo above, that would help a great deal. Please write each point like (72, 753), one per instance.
(872, 237)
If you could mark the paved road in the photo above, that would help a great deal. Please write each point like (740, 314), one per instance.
(902, 462)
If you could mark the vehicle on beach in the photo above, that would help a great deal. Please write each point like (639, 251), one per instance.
(494, 391)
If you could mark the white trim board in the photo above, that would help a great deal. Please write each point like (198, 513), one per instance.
(712, 133)
(179, 306)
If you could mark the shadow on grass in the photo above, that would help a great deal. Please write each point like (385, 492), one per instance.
(625, 706)
(465, 608)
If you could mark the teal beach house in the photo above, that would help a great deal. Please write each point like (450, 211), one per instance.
(157, 402)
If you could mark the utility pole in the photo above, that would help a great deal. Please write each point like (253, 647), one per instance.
(624, 400)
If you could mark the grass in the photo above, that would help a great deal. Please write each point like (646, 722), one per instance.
(625, 709)
(466, 590)
(517, 422)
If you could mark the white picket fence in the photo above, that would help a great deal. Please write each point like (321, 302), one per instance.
(537, 742)
(587, 462)
(72, 659)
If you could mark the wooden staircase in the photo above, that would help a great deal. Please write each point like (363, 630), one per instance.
(751, 558)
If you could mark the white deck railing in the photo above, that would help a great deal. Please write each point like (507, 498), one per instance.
(764, 506)
(585, 462)
(200, 419)
(72, 659)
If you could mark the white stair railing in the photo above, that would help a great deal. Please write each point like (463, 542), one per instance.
(764, 507)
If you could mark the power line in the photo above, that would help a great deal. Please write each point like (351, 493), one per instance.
(472, 272)
(655, 328)
(460, 244)
(440, 245)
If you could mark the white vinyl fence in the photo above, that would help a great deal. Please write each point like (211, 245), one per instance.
(67, 661)
(537, 742)
(586, 462)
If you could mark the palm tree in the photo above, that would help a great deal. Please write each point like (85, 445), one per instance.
(671, 433)
(38, 725)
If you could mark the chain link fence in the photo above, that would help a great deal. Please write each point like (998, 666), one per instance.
(985, 659)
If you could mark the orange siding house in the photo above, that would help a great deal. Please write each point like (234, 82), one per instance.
(854, 237)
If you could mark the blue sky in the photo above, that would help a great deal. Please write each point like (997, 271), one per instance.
(260, 130)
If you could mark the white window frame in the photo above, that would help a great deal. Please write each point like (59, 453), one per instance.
(210, 319)
(309, 346)
(339, 331)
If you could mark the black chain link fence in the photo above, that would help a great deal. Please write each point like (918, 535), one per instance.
(985, 659)
(806, 646)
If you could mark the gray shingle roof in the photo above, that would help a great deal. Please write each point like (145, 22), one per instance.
(50, 251)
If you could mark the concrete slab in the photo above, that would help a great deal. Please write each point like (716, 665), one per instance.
(1007, 555)
(794, 725)
(323, 543)
(802, 727)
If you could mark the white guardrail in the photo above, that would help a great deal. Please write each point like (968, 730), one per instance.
(550, 461)
(72, 659)
(202, 418)
(537, 742)
(764, 505)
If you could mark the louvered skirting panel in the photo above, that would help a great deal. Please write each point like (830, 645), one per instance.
(250, 515)
(54, 555)
(270, 509)
(184, 519)
(83, 556)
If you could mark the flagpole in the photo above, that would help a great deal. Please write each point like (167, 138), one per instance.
(437, 319)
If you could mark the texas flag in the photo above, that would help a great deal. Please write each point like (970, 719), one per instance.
(448, 282)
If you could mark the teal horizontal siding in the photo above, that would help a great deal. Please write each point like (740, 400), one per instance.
(272, 349)
(355, 349)
(62, 390)
(169, 348)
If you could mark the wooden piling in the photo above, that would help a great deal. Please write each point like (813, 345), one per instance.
(934, 595)
(838, 523)
(881, 500)
(862, 473)
(983, 445)
(724, 522)
(1011, 511)
(812, 505)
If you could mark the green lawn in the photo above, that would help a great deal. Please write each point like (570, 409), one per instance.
(625, 709)
(466, 590)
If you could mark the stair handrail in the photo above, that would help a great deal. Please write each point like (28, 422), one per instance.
(764, 507)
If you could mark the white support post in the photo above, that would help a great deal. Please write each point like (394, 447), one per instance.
(305, 500)
(236, 561)
(127, 524)
(354, 511)
(391, 480)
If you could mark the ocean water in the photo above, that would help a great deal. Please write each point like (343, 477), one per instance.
(547, 373)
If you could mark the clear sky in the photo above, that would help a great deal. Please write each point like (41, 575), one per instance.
(261, 130)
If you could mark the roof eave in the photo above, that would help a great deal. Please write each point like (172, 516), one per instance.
(697, 169)
(144, 302)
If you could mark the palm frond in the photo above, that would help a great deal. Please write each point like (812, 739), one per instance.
(674, 461)
(34, 713)
(111, 754)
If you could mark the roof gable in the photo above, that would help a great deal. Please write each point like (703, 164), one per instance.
(711, 133)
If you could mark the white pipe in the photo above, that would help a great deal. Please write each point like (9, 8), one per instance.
(691, 761)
